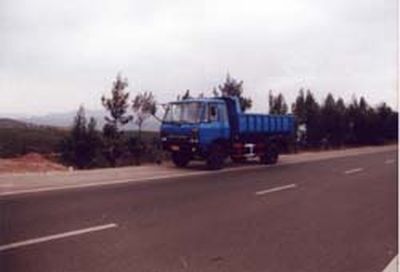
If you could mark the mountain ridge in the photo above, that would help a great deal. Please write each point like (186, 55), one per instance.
(65, 120)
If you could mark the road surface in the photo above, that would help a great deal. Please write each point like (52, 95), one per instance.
(339, 214)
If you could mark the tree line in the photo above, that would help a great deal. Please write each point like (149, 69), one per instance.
(330, 124)
(334, 123)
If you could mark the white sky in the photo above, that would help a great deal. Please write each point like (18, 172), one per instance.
(55, 55)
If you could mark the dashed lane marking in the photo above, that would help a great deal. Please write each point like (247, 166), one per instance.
(56, 236)
(353, 171)
(276, 189)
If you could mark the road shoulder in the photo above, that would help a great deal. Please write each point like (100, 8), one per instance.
(33, 183)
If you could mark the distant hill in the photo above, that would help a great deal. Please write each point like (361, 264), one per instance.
(66, 119)
(44, 134)
(19, 137)
(12, 123)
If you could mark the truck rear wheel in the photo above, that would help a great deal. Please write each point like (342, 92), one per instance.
(216, 157)
(180, 159)
(271, 154)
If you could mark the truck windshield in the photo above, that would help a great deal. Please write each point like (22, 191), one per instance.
(186, 112)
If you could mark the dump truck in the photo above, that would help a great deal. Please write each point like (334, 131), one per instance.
(213, 129)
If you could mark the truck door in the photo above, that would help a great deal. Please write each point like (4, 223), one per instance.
(224, 120)
(217, 125)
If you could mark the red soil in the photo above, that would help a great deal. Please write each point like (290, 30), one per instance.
(31, 162)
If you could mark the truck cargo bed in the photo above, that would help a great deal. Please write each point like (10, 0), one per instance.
(266, 124)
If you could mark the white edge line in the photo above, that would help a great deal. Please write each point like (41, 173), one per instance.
(392, 266)
(56, 236)
(122, 181)
(352, 171)
(276, 189)
(389, 161)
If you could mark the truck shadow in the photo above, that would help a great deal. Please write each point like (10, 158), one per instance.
(202, 166)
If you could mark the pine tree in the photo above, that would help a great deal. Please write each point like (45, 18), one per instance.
(117, 106)
(277, 105)
(312, 120)
(81, 145)
(232, 87)
(342, 127)
(299, 108)
(94, 142)
(328, 120)
(143, 106)
(387, 119)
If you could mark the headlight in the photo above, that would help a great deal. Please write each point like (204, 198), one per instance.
(163, 136)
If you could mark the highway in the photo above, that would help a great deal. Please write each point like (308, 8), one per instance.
(337, 214)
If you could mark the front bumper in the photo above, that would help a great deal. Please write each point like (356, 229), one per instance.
(181, 145)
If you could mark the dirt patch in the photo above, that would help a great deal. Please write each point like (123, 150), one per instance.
(31, 162)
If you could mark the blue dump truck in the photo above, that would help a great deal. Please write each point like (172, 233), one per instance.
(213, 129)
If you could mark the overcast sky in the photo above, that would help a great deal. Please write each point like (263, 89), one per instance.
(55, 55)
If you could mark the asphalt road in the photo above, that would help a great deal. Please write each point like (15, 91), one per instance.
(334, 215)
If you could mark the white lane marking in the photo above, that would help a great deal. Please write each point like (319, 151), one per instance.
(276, 189)
(56, 236)
(389, 161)
(392, 266)
(352, 171)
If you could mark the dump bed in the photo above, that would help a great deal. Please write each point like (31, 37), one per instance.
(265, 123)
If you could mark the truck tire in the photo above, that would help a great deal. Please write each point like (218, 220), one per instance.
(180, 159)
(216, 157)
(271, 154)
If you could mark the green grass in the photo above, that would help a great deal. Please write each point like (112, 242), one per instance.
(19, 141)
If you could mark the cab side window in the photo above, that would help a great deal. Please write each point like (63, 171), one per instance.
(212, 112)
(223, 114)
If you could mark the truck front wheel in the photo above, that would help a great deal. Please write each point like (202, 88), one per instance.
(216, 157)
(270, 155)
(180, 159)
